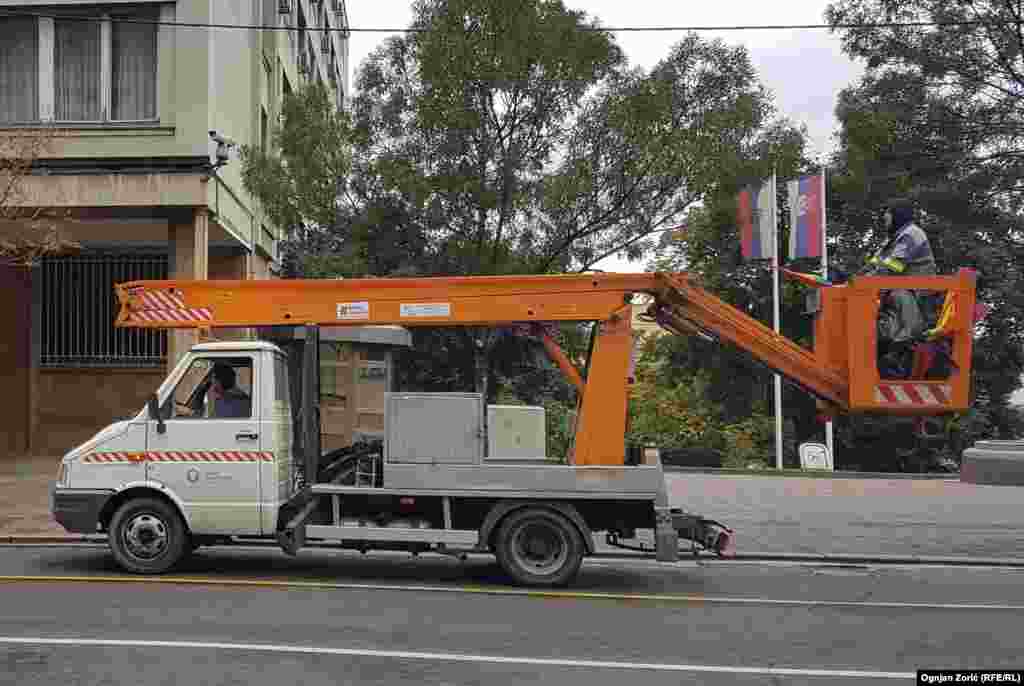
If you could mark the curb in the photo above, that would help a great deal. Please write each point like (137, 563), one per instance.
(809, 474)
(43, 540)
(917, 560)
(702, 556)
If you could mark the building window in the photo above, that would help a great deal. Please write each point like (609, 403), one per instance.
(77, 68)
(79, 308)
(133, 94)
(19, 70)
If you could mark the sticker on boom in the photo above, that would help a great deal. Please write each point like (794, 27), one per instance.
(359, 310)
(425, 309)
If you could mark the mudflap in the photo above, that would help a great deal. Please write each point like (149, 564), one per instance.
(711, 535)
(291, 533)
(292, 540)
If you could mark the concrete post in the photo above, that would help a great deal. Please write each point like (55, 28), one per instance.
(189, 247)
(35, 442)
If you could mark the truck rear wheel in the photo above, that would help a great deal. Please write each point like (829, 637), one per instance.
(537, 547)
(147, 536)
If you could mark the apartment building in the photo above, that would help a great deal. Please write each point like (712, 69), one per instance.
(134, 88)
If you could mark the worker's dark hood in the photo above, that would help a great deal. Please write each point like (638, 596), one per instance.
(902, 213)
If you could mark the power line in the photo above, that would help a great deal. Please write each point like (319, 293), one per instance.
(607, 29)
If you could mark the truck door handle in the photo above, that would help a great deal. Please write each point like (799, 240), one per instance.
(247, 435)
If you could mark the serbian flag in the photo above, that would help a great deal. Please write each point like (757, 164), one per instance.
(754, 217)
(806, 223)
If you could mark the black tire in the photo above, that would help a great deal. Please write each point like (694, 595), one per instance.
(538, 547)
(147, 536)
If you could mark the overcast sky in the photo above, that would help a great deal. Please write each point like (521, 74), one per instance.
(805, 69)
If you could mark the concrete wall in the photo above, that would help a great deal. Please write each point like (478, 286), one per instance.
(76, 403)
(208, 79)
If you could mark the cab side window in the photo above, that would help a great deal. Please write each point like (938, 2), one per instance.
(214, 388)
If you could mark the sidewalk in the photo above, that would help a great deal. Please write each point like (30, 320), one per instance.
(918, 517)
(25, 497)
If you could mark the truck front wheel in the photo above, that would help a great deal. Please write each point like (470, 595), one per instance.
(147, 536)
(537, 547)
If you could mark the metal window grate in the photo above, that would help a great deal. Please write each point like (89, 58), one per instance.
(79, 308)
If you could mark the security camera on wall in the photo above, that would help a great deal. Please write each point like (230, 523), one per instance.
(224, 146)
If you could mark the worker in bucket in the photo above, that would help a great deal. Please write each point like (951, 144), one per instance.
(229, 401)
(904, 314)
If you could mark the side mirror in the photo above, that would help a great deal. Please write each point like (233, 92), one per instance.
(154, 413)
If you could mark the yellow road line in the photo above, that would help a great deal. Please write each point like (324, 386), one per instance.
(273, 583)
(517, 592)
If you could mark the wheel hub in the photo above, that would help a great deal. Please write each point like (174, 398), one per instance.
(541, 548)
(146, 536)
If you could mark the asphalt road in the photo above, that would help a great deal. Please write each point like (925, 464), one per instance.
(859, 516)
(328, 618)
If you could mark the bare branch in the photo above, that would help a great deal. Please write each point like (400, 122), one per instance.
(28, 233)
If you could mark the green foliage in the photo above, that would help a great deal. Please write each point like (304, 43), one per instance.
(670, 408)
(646, 147)
(750, 442)
(559, 418)
(962, 81)
(512, 137)
(461, 121)
(676, 416)
(297, 178)
(503, 138)
(938, 117)
(708, 249)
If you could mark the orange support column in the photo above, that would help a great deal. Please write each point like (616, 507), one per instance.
(602, 423)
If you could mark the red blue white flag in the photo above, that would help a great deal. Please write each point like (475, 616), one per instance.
(754, 217)
(806, 220)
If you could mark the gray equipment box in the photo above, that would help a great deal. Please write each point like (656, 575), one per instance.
(515, 432)
(433, 428)
(996, 463)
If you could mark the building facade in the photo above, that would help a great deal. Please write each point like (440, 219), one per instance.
(133, 90)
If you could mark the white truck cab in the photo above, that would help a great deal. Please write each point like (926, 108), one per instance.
(217, 452)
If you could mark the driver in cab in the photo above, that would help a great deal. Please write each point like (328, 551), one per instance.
(228, 401)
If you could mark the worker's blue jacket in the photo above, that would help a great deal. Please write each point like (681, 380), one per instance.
(908, 253)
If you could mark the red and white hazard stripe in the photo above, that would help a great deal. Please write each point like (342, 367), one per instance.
(913, 394)
(199, 314)
(158, 300)
(180, 456)
(115, 457)
(160, 307)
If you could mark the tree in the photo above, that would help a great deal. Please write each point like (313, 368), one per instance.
(963, 78)
(513, 134)
(299, 177)
(474, 149)
(937, 116)
(30, 233)
(647, 147)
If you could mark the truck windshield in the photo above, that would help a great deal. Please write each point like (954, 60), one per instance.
(214, 387)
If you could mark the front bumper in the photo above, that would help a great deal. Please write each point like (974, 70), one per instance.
(78, 510)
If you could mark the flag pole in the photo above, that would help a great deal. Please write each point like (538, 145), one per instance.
(775, 288)
(824, 275)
